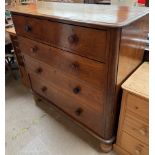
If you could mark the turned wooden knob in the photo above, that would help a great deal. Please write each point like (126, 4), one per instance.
(73, 38)
(76, 90)
(44, 89)
(39, 100)
(143, 131)
(34, 49)
(28, 28)
(39, 70)
(138, 150)
(75, 65)
(78, 111)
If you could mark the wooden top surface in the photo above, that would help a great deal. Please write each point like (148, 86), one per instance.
(104, 15)
(11, 30)
(138, 82)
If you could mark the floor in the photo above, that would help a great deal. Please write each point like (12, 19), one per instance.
(30, 130)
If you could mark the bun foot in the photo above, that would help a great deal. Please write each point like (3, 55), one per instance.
(106, 147)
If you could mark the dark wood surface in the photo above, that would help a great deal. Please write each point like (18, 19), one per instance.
(67, 83)
(97, 61)
(23, 73)
(79, 40)
(91, 72)
(64, 100)
(110, 16)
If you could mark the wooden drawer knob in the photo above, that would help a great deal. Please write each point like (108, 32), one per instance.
(39, 70)
(34, 49)
(44, 89)
(143, 131)
(28, 28)
(76, 90)
(75, 65)
(78, 111)
(73, 38)
(138, 150)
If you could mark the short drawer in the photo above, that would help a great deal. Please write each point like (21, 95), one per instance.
(138, 105)
(31, 27)
(76, 88)
(136, 128)
(133, 146)
(87, 42)
(92, 72)
(78, 110)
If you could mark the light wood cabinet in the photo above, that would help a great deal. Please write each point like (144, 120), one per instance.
(133, 130)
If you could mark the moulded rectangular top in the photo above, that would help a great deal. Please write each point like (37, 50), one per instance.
(104, 15)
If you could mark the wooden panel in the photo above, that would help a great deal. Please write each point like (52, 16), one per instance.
(76, 88)
(87, 42)
(136, 128)
(92, 15)
(73, 38)
(133, 146)
(138, 105)
(27, 27)
(119, 150)
(93, 73)
(132, 48)
(23, 73)
(138, 84)
(78, 110)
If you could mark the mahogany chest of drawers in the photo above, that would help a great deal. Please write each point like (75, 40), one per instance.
(78, 55)
(133, 131)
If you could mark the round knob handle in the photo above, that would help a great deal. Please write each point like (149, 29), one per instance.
(143, 131)
(28, 28)
(73, 38)
(39, 100)
(75, 65)
(79, 111)
(44, 89)
(138, 150)
(34, 49)
(39, 70)
(76, 90)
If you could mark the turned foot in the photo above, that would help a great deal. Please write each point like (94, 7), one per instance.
(106, 147)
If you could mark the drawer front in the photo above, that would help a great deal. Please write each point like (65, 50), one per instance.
(92, 72)
(75, 88)
(31, 27)
(136, 128)
(84, 41)
(78, 110)
(138, 105)
(133, 146)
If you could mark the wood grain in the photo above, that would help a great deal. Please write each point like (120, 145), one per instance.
(23, 73)
(66, 83)
(93, 73)
(138, 105)
(73, 38)
(68, 104)
(136, 128)
(133, 146)
(110, 16)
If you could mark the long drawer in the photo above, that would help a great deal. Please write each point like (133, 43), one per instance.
(92, 72)
(137, 128)
(84, 41)
(78, 110)
(133, 146)
(75, 88)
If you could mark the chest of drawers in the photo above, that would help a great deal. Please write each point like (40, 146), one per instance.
(78, 55)
(133, 131)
